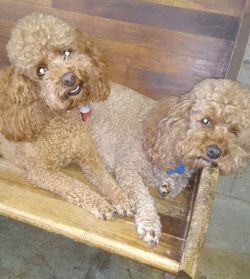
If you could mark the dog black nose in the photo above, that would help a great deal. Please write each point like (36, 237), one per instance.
(213, 152)
(68, 79)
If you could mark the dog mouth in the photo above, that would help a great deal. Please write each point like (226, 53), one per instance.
(76, 89)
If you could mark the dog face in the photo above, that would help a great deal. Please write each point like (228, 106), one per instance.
(217, 127)
(65, 65)
(210, 126)
(69, 76)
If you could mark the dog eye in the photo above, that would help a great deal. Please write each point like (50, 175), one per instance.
(66, 53)
(206, 122)
(41, 71)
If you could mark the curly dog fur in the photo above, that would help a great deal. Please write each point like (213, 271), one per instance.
(55, 69)
(140, 139)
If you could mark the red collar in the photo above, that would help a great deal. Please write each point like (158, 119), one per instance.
(85, 111)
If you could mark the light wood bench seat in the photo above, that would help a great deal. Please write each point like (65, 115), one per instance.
(22, 201)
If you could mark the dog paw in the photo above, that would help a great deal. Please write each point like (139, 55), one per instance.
(149, 230)
(122, 204)
(104, 211)
(172, 186)
(164, 190)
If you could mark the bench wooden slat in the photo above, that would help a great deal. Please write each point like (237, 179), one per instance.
(228, 7)
(199, 222)
(152, 14)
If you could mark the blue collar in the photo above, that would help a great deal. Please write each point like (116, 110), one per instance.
(179, 169)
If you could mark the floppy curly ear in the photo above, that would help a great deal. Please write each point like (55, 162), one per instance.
(100, 85)
(165, 126)
(19, 104)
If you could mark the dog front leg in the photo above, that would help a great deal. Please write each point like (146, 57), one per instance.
(72, 190)
(146, 218)
(96, 172)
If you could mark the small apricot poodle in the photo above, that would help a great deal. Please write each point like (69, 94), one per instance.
(146, 142)
(55, 69)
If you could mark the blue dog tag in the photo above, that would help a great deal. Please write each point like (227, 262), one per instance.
(180, 170)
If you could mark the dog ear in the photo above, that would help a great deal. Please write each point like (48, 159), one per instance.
(18, 102)
(100, 85)
(165, 128)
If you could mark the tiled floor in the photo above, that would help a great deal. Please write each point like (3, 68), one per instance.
(31, 253)
(226, 254)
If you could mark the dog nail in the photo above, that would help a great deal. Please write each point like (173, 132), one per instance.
(104, 217)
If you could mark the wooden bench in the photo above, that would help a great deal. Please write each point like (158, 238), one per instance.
(154, 47)
(185, 220)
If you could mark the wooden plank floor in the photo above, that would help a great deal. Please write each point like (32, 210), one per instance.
(154, 47)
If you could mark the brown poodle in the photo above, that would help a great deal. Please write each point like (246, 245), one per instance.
(145, 142)
(55, 69)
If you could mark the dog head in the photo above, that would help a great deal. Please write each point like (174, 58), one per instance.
(219, 126)
(64, 63)
(54, 67)
(208, 126)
